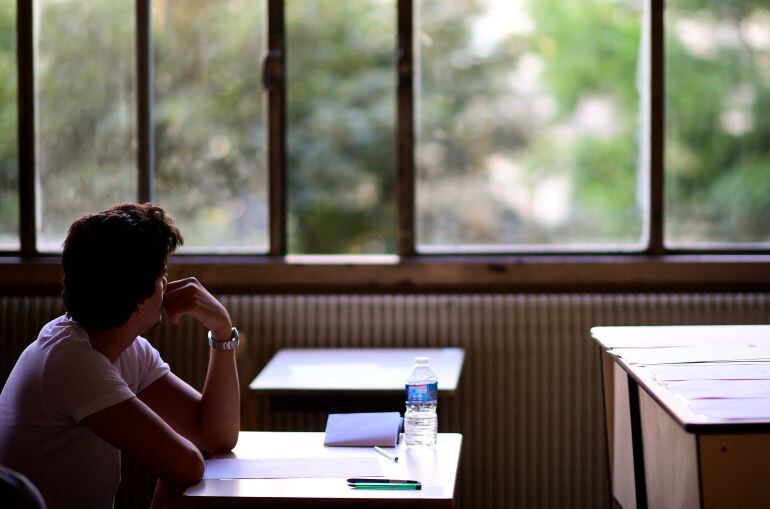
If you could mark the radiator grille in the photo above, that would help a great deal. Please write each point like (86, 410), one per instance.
(529, 401)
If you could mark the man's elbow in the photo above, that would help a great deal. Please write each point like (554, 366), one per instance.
(223, 443)
(231, 442)
(198, 467)
(190, 470)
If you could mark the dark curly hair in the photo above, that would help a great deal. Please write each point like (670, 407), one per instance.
(112, 259)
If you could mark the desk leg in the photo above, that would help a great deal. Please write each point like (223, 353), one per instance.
(608, 391)
(636, 444)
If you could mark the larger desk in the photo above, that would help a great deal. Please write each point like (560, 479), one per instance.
(436, 468)
(663, 454)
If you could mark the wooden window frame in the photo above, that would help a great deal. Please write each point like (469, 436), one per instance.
(655, 268)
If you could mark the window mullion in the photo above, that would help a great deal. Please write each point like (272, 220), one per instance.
(657, 127)
(405, 181)
(273, 77)
(26, 124)
(144, 85)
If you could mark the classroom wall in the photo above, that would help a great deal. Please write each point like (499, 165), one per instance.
(529, 402)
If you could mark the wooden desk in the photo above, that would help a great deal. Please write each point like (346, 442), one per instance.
(662, 454)
(337, 380)
(436, 468)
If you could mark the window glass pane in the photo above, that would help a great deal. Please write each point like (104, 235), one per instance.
(9, 155)
(341, 126)
(86, 110)
(209, 127)
(529, 125)
(717, 122)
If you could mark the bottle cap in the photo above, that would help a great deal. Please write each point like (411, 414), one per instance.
(421, 360)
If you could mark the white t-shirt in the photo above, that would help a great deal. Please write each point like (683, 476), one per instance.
(57, 381)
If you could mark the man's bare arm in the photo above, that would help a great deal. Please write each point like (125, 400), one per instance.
(211, 420)
(183, 408)
(134, 428)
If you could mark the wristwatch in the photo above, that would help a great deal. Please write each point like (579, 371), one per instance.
(228, 344)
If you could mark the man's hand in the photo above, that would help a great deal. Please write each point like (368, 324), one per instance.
(189, 297)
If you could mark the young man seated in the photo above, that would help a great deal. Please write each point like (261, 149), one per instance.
(90, 386)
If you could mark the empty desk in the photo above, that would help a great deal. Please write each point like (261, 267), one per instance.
(335, 380)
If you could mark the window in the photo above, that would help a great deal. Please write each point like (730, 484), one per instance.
(85, 99)
(447, 134)
(341, 118)
(210, 140)
(529, 125)
(9, 170)
(717, 123)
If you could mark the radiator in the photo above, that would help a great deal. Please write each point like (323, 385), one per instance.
(528, 405)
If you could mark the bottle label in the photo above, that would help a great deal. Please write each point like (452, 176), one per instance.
(424, 393)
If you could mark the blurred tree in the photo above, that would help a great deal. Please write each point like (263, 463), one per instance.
(85, 111)
(209, 127)
(717, 125)
(9, 173)
(341, 126)
(504, 156)
(591, 50)
(502, 142)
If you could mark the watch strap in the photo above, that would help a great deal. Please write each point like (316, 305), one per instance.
(227, 344)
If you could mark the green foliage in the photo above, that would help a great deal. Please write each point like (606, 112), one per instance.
(606, 188)
(491, 131)
(478, 103)
(209, 125)
(341, 122)
(9, 174)
(590, 47)
(85, 122)
(718, 130)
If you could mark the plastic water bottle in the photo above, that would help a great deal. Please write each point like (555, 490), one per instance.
(420, 419)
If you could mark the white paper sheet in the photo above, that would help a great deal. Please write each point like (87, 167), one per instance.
(683, 355)
(720, 389)
(732, 409)
(677, 335)
(711, 371)
(287, 468)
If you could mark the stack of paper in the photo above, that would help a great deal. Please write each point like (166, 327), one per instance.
(720, 389)
(711, 371)
(691, 354)
(721, 379)
(733, 409)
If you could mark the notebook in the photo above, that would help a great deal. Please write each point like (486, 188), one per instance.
(363, 429)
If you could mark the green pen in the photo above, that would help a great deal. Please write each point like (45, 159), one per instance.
(385, 486)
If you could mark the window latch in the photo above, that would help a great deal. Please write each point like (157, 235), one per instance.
(272, 69)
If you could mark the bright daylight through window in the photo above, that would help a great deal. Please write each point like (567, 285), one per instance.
(533, 130)
(85, 100)
(9, 144)
(341, 113)
(717, 122)
(210, 140)
(529, 125)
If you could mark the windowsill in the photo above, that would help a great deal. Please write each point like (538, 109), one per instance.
(425, 274)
